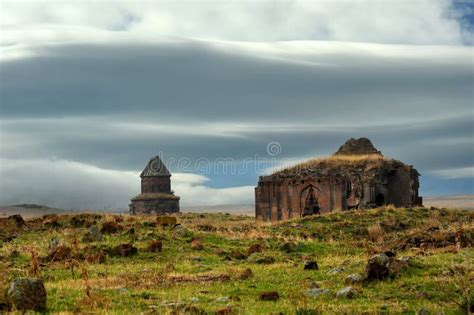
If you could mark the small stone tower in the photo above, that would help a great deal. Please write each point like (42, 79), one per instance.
(156, 195)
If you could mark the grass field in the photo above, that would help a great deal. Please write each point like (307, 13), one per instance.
(206, 265)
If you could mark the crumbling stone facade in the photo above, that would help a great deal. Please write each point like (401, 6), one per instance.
(356, 176)
(156, 195)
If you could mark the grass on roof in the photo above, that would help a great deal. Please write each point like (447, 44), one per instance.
(340, 161)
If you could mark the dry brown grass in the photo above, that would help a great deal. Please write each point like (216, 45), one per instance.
(340, 161)
(433, 221)
(376, 232)
(34, 264)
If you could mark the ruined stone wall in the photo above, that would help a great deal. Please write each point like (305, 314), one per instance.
(154, 206)
(157, 184)
(288, 199)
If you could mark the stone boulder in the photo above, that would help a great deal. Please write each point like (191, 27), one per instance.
(254, 248)
(26, 294)
(124, 250)
(59, 252)
(269, 296)
(347, 293)
(311, 265)
(378, 267)
(155, 246)
(17, 220)
(111, 227)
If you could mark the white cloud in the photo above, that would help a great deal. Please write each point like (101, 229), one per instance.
(72, 185)
(416, 22)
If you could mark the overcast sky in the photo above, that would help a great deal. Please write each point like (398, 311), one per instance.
(90, 91)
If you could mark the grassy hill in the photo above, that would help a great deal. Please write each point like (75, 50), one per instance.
(225, 264)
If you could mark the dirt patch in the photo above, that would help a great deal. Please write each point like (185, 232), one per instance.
(111, 227)
(124, 250)
(199, 278)
(436, 238)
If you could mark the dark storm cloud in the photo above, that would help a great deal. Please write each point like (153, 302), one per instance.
(194, 80)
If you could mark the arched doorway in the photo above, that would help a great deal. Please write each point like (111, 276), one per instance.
(379, 200)
(310, 201)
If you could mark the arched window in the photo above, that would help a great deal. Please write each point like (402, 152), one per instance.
(348, 188)
(380, 200)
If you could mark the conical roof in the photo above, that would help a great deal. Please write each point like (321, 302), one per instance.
(361, 146)
(155, 167)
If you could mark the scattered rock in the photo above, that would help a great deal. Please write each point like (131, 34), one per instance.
(52, 223)
(14, 253)
(258, 258)
(247, 273)
(347, 292)
(311, 284)
(424, 239)
(111, 227)
(269, 296)
(335, 271)
(209, 277)
(26, 294)
(155, 246)
(407, 259)
(226, 311)
(236, 254)
(196, 244)
(54, 242)
(220, 252)
(397, 265)
(315, 292)
(423, 311)
(196, 258)
(206, 228)
(59, 252)
(84, 220)
(17, 220)
(354, 278)
(254, 248)
(288, 247)
(194, 299)
(124, 250)
(311, 265)
(122, 290)
(96, 258)
(93, 235)
(180, 231)
(222, 299)
(377, 267)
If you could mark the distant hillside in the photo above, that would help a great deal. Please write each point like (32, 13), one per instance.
(247, 209)
(33, 210)
(461, 201)
(28, 210)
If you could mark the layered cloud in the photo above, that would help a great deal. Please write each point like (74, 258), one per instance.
(418, 22)
(77, 186)
(90, 92)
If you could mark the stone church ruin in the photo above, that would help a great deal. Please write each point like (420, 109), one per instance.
(356, 176)
(156, 195)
